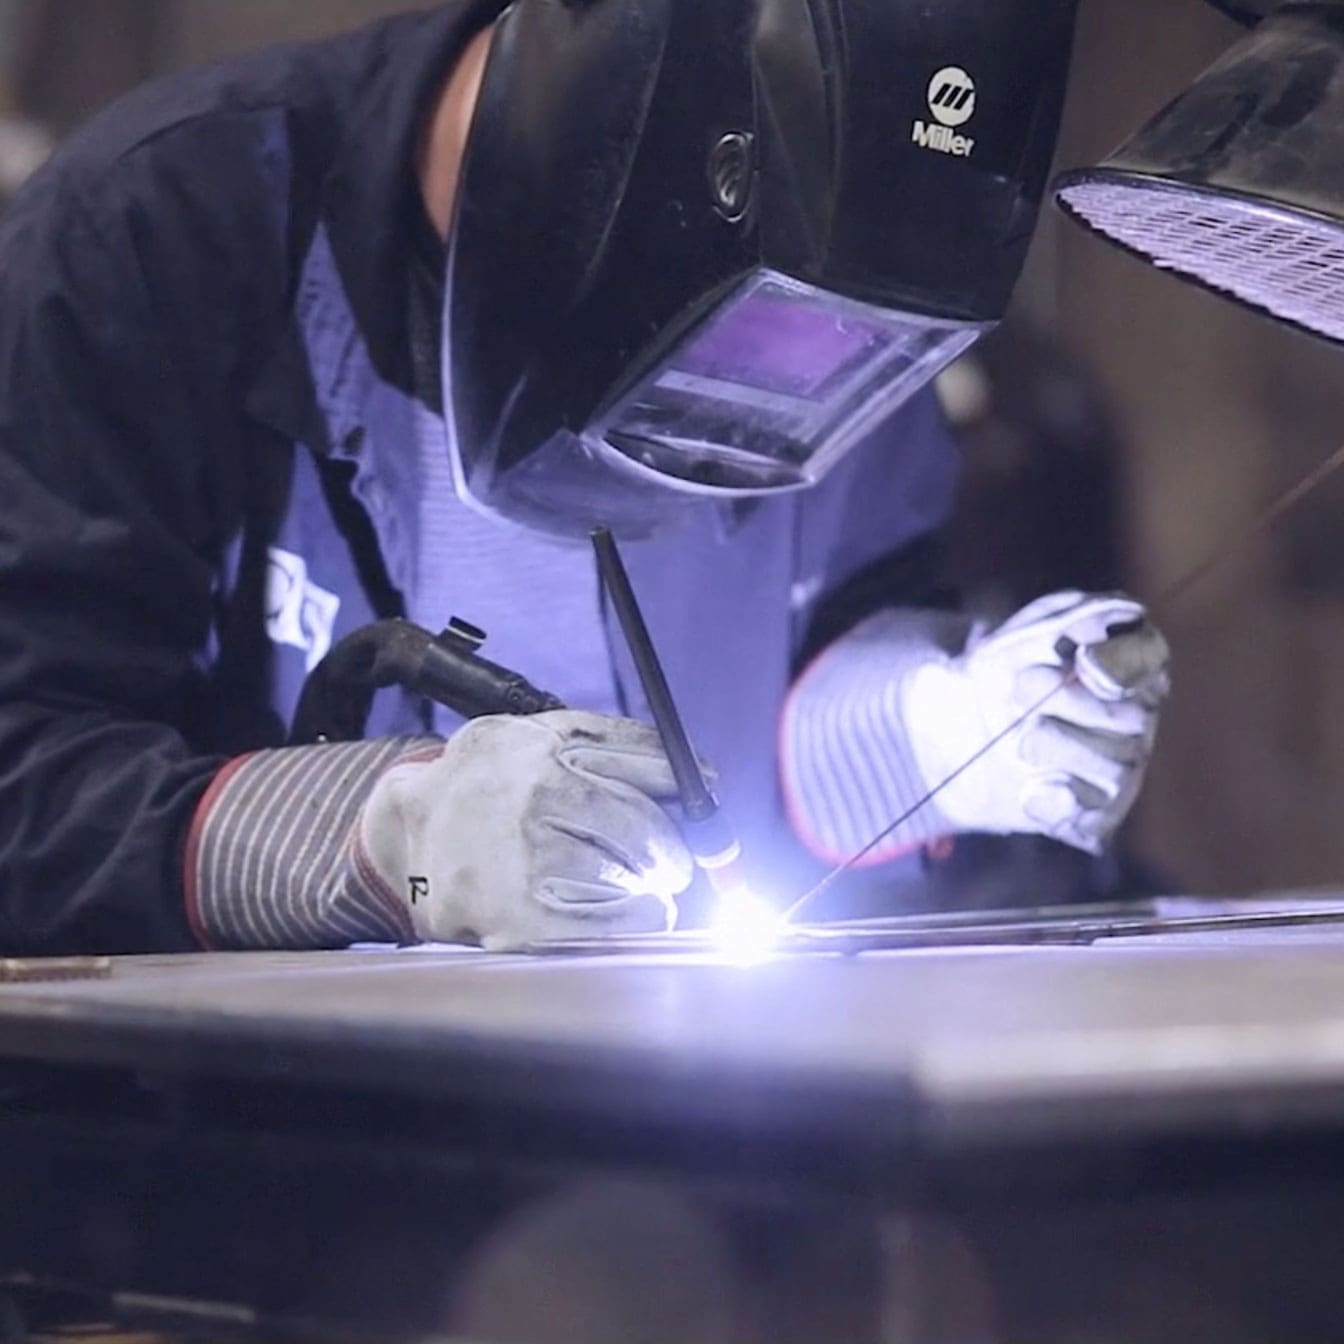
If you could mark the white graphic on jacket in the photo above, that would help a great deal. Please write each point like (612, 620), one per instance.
(299, 613)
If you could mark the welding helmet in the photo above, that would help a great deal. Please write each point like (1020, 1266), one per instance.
(1238, 184)
(705, 247)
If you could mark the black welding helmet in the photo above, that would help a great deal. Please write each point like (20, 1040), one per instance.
(1238, 184)
(705, 247)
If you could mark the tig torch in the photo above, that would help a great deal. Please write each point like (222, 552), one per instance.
(449, 669)
(711, 839)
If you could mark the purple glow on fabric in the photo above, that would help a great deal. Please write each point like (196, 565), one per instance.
(776, 345)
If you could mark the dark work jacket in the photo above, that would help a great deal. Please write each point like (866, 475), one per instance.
(205, 369)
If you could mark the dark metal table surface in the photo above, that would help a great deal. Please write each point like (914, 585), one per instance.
(972, 1045)
(1137, 1140)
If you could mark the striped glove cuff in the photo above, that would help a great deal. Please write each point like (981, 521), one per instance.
(847, 766)
(270, 856)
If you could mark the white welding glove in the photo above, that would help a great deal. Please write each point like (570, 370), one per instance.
(517, 830)
(1097, 670)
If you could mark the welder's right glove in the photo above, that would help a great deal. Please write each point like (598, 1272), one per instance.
(513, 831)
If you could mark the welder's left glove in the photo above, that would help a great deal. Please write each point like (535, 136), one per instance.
(1068, 692)
(1070, 687)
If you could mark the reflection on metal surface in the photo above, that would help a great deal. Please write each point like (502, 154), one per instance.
(1055, 926)
(31, 970)
(603, 1259)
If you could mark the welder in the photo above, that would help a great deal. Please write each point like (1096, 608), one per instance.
(383, 326)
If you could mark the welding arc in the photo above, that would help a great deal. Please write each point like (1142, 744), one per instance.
(1163, 606)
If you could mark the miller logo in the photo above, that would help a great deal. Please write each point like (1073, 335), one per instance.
(952, 102)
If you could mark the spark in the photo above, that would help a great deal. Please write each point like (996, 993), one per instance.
(746, 927)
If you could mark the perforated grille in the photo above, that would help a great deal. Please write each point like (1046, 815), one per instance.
(1288, 264)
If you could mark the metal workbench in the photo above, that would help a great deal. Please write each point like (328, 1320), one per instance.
(333, 1142)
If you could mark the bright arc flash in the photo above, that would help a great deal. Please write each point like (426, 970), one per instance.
(746, 927)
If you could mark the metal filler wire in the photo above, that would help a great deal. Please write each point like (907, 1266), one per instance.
(1163, 605)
